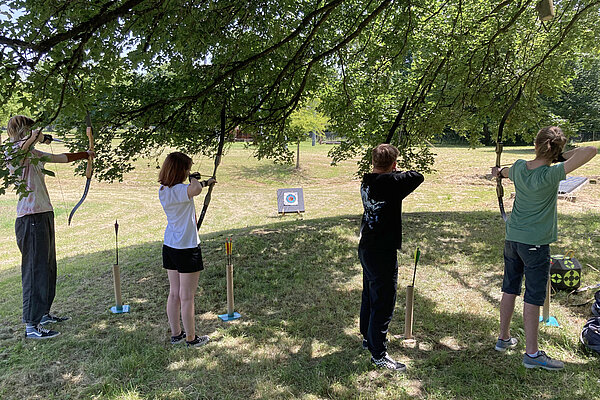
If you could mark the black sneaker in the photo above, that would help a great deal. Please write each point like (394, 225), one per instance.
(39, 332)
(178, 338)
(388, 362)
(198, 341)
(50, 319)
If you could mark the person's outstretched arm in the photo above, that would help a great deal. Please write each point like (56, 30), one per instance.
(577, 157)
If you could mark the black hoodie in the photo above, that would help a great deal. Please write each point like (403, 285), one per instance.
(382, 195)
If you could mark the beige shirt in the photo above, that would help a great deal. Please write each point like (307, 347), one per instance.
(38, 200)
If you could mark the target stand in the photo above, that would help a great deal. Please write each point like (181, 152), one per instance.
(290, 201)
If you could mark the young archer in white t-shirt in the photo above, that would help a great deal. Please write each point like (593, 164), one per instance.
(182, 257)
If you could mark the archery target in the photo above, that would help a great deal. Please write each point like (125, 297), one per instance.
(290, 199)
(571, 278)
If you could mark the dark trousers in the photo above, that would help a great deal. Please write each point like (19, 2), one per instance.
(380, 282)
(35, 238)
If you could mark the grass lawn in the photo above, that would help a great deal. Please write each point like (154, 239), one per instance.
(297, 285)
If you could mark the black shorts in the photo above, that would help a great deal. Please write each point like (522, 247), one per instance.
(182, 260)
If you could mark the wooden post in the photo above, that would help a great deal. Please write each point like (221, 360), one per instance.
(231, 314)
(408, 319)
(230, 290)
(546, 308)
(117, 284)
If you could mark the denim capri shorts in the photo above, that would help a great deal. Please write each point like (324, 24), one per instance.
(531, 261)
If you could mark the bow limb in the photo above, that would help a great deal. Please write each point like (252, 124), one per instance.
(207, 198)
(90, 164)
(499, 148)
(396, 123)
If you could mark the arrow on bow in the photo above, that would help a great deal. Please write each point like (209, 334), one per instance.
(90, 165)
(499, 147)
(214, 175)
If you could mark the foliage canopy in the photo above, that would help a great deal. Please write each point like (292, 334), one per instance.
(156, 73)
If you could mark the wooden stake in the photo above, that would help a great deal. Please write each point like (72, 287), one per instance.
(230, 290)
(546, 308)
(117, 284)
(408, 319)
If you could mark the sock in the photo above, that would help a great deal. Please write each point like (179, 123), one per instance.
(505, 340)
(534, 355)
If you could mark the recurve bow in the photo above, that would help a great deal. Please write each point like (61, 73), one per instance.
(214, 175)
(90, 164)
(499, 147)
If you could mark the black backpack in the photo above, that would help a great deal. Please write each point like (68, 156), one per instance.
(596, 305)
(590, 335)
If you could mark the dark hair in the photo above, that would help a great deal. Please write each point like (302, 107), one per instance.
(549, 143)
(174, 169)
(384, 156)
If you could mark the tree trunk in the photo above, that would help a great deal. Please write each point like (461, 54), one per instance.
(298, 156)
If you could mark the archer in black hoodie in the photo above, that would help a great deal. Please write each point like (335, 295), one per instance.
(382, 193)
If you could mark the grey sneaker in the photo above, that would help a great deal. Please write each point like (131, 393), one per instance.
(39, 332)
(542, 361)
(198, 341)
(50, 319)
(503, 345)
(388, 362)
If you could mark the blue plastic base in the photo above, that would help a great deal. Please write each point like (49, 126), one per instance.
(119, 310)
(227, 317)
(551, 321)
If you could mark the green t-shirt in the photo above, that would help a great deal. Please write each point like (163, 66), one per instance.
(533, 218)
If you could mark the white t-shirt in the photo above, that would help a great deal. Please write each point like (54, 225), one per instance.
(38, 200)
(181, 230)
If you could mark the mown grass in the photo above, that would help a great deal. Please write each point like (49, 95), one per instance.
(297, 286)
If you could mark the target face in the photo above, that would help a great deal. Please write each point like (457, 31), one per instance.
(556, 278)
(571, 278)
(290, 199)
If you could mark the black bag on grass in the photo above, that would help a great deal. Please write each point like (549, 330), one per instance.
(590, 335)
(596, 305)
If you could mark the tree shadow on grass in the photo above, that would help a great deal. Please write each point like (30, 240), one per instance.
(297, 286)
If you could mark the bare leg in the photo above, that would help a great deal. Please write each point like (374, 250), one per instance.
(531, 322)
(507, 307)
(187, 291)
(173, 302)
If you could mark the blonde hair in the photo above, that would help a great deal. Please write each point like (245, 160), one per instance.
(174, 169)
(384, 156)
(18, 127)
(549, 143)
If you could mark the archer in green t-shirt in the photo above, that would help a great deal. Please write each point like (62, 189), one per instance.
(530, 229)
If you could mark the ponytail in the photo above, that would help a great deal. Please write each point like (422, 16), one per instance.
(550, 142)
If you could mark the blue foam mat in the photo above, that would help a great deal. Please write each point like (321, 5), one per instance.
(119, 310)
(227, 317)
(551, 321)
